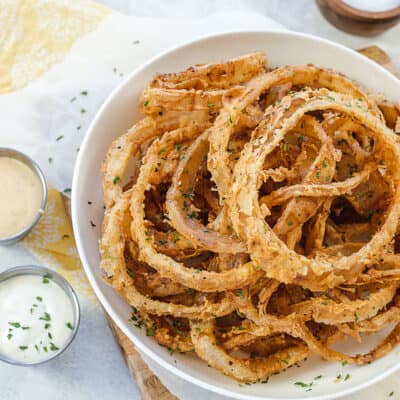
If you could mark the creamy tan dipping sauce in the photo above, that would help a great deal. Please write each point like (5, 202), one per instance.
(20, 196)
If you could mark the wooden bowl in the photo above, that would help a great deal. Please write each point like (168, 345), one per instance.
(356, 21)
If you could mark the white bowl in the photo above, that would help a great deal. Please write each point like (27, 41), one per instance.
(119, 112)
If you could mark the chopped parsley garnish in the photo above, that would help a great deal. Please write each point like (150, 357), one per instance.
(67, 190)
(344, 363)
(23, 347)
(69, 325)
(15, 324)
(303, 384)
(9, 336)
(290, 222)
(46, 317)
(149, 331)
(347, 377)
(240, 293)
(84, 93)
(46, 278)
(116, 180)
(53, 347)
(47, 326)
(49, 335)
(210, 105)
(39, 298)
(83, 110)
(145, 103)
(59, 138)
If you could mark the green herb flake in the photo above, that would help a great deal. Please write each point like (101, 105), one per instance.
(46, 317)
(50, 336)
(116, 180)
(47, 326)
(59, 138)
(344, 363)
(290, 222)
(53, 347)
(67, 190)
(240, 293)
(211, 105)
(9, 336)
(23, 347)
(302, 384)
(145, 103)
(84, 93)
(69, 326)
(15, 324)
(45, 349)
(150, 332)
(347, 377)
(46, 278)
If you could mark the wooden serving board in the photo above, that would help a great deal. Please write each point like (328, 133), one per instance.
(149, 385)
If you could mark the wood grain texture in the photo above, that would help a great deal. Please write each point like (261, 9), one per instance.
(149, 385)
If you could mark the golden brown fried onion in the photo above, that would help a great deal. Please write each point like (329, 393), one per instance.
(252, 215)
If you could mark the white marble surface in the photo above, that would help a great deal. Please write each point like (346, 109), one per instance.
(93, 367)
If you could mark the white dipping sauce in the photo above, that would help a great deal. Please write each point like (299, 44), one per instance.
(36, 318)
(373, 5)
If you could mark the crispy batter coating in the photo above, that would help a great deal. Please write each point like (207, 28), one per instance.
(260, 222)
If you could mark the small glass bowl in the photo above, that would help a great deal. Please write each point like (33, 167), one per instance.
(7, 152)
(65, 286)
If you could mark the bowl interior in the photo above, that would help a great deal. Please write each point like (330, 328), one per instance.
(120, 112)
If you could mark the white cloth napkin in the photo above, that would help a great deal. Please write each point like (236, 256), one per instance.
(48, 118)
